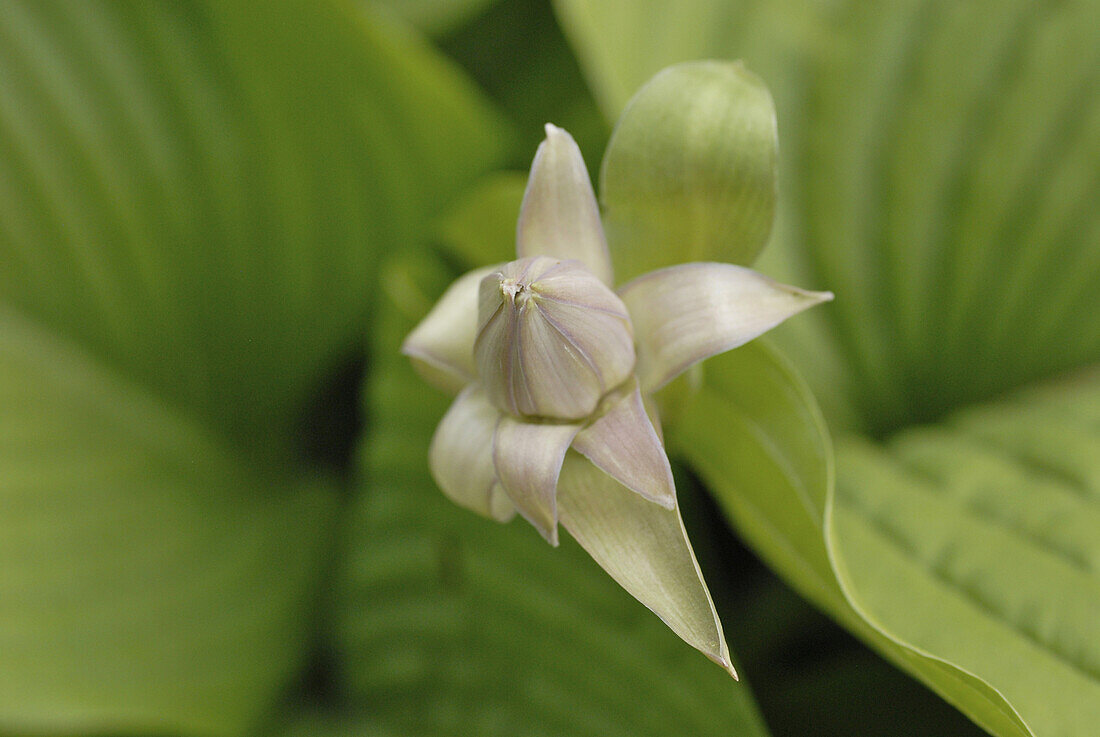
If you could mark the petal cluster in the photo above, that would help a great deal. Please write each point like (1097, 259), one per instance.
(554, 367)
(552, 339)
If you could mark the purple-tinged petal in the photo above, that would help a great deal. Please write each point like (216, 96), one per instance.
(686, 313)
(559, 216)
(553, 339)
(528, 458)
(461, 455)
(442, 345)
(624, 444)
(645, 548)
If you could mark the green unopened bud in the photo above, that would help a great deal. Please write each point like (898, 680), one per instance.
(552, 339)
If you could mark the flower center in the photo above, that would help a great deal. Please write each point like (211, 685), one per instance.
(553, 339)
(517, 292)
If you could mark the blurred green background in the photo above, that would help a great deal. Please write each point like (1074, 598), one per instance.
(218, 220)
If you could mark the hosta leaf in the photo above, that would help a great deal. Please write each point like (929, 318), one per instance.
(480, 228)
(436, 17)
(947, 182)
(518, 55)
(653, 34)
(147, 577)
(191, 196)
(977, 541)
(753, 432)
(452, 624)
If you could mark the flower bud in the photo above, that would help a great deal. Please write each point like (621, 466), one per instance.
(552, 339)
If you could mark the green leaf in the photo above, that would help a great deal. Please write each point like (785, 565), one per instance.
(690, 171)
(947, 181)
(194, 195)
(976, 541)
(518, 55)
(650, 35)
(480, 229)
(752, 430)
(435, 17)
(148, 579)
(326, 720)
(191, 199)
(452, 624)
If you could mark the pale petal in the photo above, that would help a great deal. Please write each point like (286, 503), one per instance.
(442, 345)
(650, 404)
(624, 444)
(528, 459)
(461, 455)
(559, 216)
(645, 548)
(500, 505)
(593, 321)
(556, 379)
(686, 313)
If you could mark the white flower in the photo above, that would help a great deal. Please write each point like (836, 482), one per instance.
(554, 367)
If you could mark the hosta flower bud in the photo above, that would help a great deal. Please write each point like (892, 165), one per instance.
(552, 339)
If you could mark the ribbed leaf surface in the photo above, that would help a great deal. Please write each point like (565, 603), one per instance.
(191, 197)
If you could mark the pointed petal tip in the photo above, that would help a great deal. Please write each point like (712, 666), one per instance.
(723, 660)
(646, 550)
(560, 216)
(686, 313)
(416, 350)
(553, 130)
(624, 444)
(548, 529)
(441, 345)
(528, 459)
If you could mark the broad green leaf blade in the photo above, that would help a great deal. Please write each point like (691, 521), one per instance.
(947, 180)
(452, 624)
(977, 541)
(518, 55)
(436, 17)
(195, 193)
(751, 429)
(191, 197)
(622, 43)
(148, 580)
(480, 228)
(945, 176)
(317, 721)
(690, 171)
